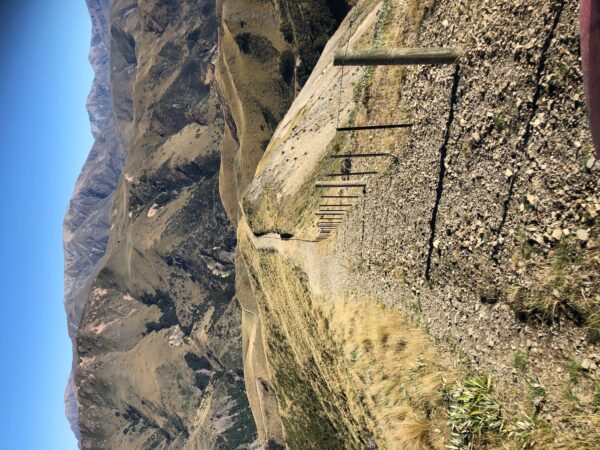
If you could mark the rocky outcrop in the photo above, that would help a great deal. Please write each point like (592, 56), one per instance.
(159, 348)
(87, 221)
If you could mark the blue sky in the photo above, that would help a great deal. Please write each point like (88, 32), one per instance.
(44, 140)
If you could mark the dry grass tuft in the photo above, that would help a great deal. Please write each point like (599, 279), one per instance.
(563, 284)
(399, 370)
(416, 11)
(414, 434)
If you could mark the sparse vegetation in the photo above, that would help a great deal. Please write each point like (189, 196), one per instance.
(318, 22)
(596, 401)
(399, 393)
(522, 429)
(520, 360)
(536, 388)
(500, 122)
(383, 334)
(473, 413)
(287, 66)
(563, 284)
(392, 388)
(574, 370)
(260, 47)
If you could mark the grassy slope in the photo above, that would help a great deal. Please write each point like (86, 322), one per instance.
(346, 370)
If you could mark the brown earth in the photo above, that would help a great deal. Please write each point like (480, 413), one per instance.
(483, 230)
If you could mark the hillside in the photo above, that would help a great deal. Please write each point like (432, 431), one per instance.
(158, 349)
(159, 355)
(87, 221)
(477, 236)
(450, 303)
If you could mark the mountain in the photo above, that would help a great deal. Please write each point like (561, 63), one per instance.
(159, 347)
(87, 221)
(234, 301)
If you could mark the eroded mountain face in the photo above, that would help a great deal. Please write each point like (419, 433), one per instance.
(159, 349)
(267, 51)
(87, 222)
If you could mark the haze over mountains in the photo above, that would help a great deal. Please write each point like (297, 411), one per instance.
(87, 222)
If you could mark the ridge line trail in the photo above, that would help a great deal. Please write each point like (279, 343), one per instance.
(126, 216)
(326, 276)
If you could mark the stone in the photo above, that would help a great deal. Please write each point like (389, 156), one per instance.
(538, 238)
(590, 163)
(586, 364)
(557, 234)
(583, 235)
(592, 212)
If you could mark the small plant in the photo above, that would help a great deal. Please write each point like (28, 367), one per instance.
(593, 335)
(520, 360)
(354, 356)
(452, 343)
(415, 434)
(499, 121)
(325, 323)
(596, 401)
(569, 395)
(562, 71)
(415, 305)
(574, 370)
(473, 412)
(522, 428)
(536, 388)
(525, 247)
(383, 334)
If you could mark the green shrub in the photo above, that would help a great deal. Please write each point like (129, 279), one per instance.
(520, 360)
(473, 412)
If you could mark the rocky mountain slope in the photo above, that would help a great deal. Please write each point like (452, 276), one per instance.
(454, 304)
(87, 222)
(158, 349)
(159, 355)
